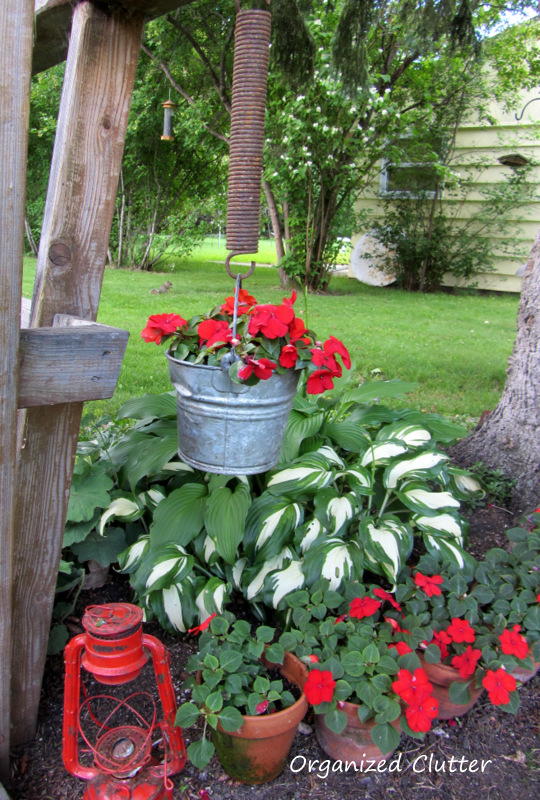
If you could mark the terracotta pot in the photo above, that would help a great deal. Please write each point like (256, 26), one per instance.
(354, 743)
(441, 676)
(522, 674)
(257, 753)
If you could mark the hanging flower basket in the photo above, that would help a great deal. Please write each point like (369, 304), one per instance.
(236, 371)
(227, 427)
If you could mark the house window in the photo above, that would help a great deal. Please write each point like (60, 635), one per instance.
(411, 174)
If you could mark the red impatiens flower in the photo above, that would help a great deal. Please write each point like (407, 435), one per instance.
(499, 684)
(260, 708)
(363, 607)
(421, 715)
(297, 330)
(378, 592)
(513, 643)
(396, 628)
(290, 301)
(245, 303)
(467, 661)
(461, 631)
(430, 584)
(413, 689)
(313, 658)
(401, 647)
(271, 321)
(333, 345)
(319, 687)
(214, 331)
(442, 640)
(262, 368)
(320, 381)
(160, 325)
(341, 618)
(203, 626)
(288, 356)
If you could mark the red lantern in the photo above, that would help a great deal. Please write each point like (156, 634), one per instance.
(122, 736)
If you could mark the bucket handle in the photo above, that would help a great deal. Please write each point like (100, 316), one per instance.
(222, 383)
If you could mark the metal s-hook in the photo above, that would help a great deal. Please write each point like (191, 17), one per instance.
(231, 274)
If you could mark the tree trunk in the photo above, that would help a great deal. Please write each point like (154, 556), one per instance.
(509, 437)
(284, 279)
(30, 237)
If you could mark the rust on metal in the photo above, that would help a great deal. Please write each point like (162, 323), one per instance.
(251, 51)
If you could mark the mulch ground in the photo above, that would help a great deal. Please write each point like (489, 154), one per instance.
(486, 754)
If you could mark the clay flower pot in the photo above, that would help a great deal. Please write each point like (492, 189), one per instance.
(522, 674)
(354, 743)
(441, 676)
(257, 753)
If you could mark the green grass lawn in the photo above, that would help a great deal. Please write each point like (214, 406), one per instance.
(455, 346)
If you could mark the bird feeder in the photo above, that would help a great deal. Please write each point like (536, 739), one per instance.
(119, 742)
(168, 113)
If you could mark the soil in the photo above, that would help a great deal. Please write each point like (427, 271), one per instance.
(485, 754)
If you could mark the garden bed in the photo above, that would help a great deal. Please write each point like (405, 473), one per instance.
(442, 767)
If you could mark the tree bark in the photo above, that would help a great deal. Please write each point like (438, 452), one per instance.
(284, 279)
(509, 437)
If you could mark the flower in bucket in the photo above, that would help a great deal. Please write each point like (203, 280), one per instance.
(269, 339)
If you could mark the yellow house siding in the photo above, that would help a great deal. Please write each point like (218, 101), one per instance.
(478, 148)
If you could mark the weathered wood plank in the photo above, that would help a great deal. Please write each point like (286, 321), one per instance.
(16, 30)
(53, 24)
(69, 365)
(92, 122)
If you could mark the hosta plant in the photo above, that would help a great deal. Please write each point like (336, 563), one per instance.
(357, 483)
(268, 338)
(234, 675)
(355, 657)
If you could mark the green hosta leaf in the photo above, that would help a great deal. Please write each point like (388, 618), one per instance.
(381, 452)
(149, 406)
(299, 478)
(407, 433)
(231, 719)
(348, 434)
(387, 546)
(375, 390)
(299, 427)
(200, 753)
(269, 524)
(418, 497)
(333, 559)
(385, 737)
(124, 507)
(180, 517)
(89, 490)
(336, 720)
(225, 519)
(150, 457)
(187, 715)
(103, 549)
(254, 577)
(426, 464)
(282, 582)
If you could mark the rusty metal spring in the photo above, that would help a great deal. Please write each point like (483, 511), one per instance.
(251, 51)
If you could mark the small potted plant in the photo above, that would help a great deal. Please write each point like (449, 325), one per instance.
(236, 375)
(242, 691)
(365, 685)
(473, 645)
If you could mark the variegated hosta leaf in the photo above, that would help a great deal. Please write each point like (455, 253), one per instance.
(253, 578)
(124, 507)
(380, 452)
(171, 564)
(237, 572)
(131, 558)
(205, 550)
(419, 497)
(465, 485)
(426, 463)
(410, 435)
(175, 606)
(308, 533)
(359, 478)
(333, 510)
(212, 598)
(442, 524)
(307, 474)
(177, 466)
(282, 582)
(333, 559)
(153, 496)
(329, 453)
(387, 545)
(270, 523)
(446, 550)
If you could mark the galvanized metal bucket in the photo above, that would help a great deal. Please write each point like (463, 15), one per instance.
(226, 427)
